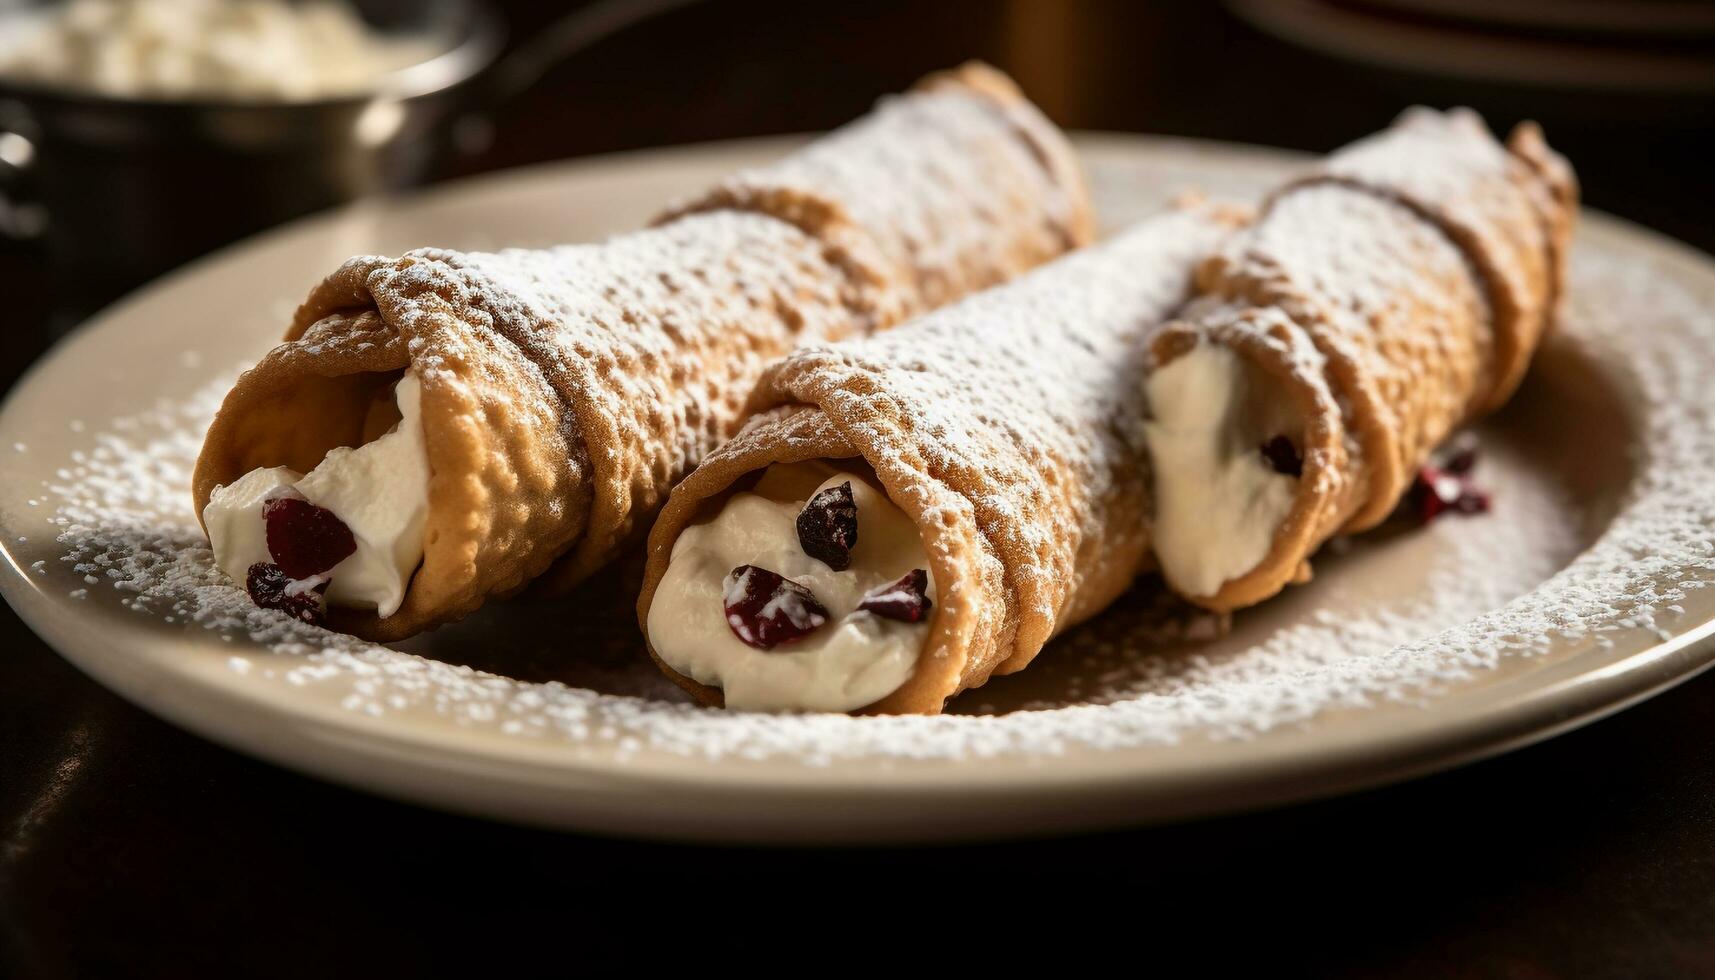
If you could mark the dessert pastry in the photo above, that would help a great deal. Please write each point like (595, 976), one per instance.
(908, 514)
(464, 423)
(1392, 295)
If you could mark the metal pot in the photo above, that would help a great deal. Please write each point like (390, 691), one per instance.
(120, 190)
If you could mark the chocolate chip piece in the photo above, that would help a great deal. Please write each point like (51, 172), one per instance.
(766, 609)
(828, 527)
(1283, 456)
(303, 539)
(906, 600)
(271, 588)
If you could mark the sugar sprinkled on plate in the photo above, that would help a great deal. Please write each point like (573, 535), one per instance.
(125, 514)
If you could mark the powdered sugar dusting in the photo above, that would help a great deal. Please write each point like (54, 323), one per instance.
(1490, 592)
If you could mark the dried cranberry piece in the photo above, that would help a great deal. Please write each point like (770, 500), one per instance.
(1461, 456)
(1283, 456)
(766, 609)
(828, 528)
(906, 600)
(271, 588)
(1436, 491)
(303, 539)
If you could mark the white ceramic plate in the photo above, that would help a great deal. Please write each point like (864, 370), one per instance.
(1580, 594)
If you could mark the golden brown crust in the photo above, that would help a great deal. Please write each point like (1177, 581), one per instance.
(1008, 427)
(565, 390)
(1509, 209)
(548, 430)
(1423, 266)
(1272, 342)
(1003, 192)
(966, 570)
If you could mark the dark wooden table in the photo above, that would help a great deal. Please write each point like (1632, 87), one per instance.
(128, 848)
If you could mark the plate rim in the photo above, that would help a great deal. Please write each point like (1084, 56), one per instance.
(1531, 714)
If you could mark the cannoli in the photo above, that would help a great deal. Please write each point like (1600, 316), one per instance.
(908, 514)
(1391, 296)
(441, 428)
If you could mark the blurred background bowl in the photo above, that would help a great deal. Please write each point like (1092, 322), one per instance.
(121, 189)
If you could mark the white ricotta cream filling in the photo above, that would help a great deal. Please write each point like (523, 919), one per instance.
(1218, 500)
(175, 49)
(379, 489)
(234, 517)
(854, 659)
